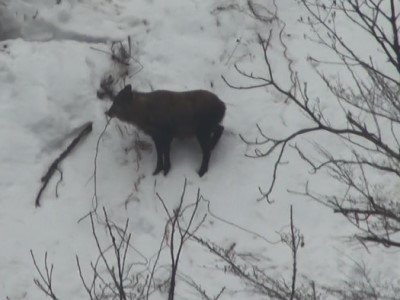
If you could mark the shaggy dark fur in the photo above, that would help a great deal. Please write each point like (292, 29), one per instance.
(165, 115)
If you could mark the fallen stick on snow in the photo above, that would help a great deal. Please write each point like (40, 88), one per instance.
(87, 128)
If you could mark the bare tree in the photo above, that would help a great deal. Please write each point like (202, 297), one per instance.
(114, 276)
(246, 266)
(369, 101)
(177, 233)
(120, 281)
(361, 285)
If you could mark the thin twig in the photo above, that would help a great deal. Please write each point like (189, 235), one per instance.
(45, 285)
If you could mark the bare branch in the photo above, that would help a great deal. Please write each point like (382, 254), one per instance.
(87, 128)
(369, 105)
(174, 221)
(45, 283)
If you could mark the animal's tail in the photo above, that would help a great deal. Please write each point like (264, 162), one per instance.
(216, 135)
(217, 113)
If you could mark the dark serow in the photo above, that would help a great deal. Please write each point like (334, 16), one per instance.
(165, 115)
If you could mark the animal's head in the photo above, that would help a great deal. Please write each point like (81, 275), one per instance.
(120, 106)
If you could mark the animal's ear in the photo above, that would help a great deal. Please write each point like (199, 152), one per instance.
(128, 88)
(125, 94)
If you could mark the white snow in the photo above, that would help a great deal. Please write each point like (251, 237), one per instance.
(49, 76)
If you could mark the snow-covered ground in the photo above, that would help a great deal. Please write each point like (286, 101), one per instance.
(50, 70)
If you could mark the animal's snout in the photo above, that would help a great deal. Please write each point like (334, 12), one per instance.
(110, 113)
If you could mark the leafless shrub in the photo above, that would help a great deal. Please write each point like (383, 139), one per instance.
(114, 276)
(122, 54)
(246, 266)
(119, 281)
(367, 90)
(361, 286)
(369, 103)
(177, 233)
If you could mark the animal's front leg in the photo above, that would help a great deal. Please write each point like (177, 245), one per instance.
(160, 164)
(166, 152)
(205, 144)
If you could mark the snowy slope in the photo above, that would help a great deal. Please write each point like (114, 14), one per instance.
(48, 82)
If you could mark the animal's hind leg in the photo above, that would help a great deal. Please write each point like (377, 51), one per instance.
(216, 135)
(166, 154)
(159, 149)
(204, 139)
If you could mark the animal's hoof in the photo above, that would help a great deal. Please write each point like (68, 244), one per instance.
(166, 170)
(202, 172)
(157, 170)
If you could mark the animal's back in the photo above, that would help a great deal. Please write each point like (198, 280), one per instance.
(183, 113)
